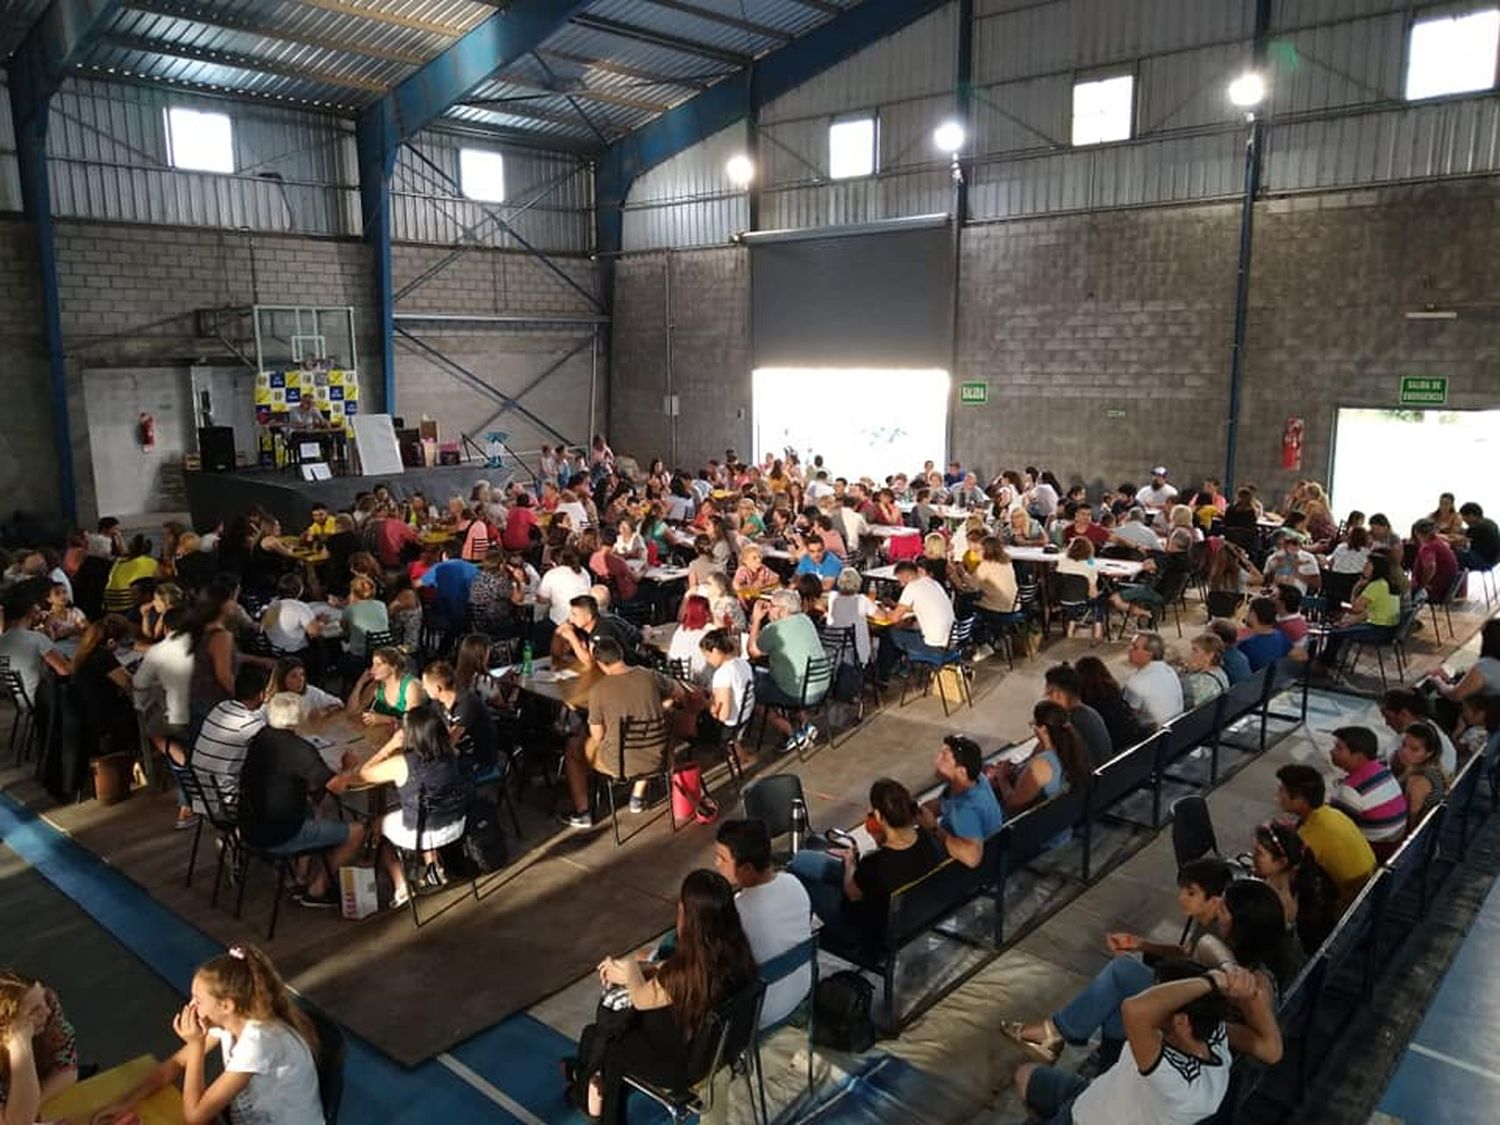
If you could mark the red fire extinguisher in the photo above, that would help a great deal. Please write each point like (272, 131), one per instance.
(146, 432)
(1291, 443)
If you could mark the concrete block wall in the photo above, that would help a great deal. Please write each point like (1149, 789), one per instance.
(506, 357)
(709, 317)
(129, 293)
(1106, 337)
(1334, 277)
(1105, 341)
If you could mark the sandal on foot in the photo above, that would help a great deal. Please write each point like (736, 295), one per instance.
(1047, 1051)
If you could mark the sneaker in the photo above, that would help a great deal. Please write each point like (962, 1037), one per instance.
(809, 735)
(399, 900)
(637, 805)
(575, 820)
(188, 821)
(983, 652)
(794, 742)
(325, 901)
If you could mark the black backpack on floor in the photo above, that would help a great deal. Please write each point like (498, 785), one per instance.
(483, 842)
(841, 1011)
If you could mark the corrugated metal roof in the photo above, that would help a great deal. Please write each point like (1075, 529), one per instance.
(16, 18)
(619, 64)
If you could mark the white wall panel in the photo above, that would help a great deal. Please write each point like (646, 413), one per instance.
(688, 200)
(1340, 65)
(108, 160)
(1035, 39)
(10, 174)
(916, 61)
(1335, 118)
(1454, 138)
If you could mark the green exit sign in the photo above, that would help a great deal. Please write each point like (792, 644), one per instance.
(973, 394)
(1424, 390)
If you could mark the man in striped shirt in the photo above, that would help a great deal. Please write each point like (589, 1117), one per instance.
(1368, 792)
(225, 738)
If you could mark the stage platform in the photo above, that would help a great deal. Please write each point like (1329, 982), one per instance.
(213, 497)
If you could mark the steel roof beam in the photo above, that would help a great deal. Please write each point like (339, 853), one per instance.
(750, 27)
(212, 17)
(827, 7)
(254, 64)
(55, 41)
(624, 70)
(737, 98)
(622, 30)
(412, 23)
(566, 89)
(420, 100)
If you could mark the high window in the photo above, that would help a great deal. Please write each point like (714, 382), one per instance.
(481, 175)
(1103, 110)
(851, 148)
(198, 141)
(1452, 54)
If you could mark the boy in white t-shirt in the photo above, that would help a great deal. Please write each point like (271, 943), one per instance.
(773, 907)
(925, 601)
(1176, 1071)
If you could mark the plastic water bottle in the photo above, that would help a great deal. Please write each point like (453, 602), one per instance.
(799, 823)
(527, 663)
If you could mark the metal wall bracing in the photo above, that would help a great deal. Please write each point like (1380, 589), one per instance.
(108, 160)
(296, 174)
(1336, 117)
(549, 198)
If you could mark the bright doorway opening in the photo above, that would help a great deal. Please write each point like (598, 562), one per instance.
(864, 421)
(1398, 461)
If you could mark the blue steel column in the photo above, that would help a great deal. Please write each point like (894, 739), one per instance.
(36, 195)
(418, 101)
(375, 172)
(36, 71)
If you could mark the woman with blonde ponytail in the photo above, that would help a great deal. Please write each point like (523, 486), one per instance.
(270, 1048)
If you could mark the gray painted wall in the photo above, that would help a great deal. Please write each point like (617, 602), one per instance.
(1105, 338)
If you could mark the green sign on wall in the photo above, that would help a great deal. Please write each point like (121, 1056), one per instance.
(1424, 390)
(973, 394)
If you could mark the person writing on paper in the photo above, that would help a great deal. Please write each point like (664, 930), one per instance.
(241, 1006)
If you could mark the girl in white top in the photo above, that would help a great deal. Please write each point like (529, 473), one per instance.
(1350, 556)
(240, 1005)
(560, 585)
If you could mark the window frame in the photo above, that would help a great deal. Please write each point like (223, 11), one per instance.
(170, 130)
(1430, 14)
(873, 117)
(1085, 78)
(487, 154)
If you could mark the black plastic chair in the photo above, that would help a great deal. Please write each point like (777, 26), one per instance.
(332, 1050)
(1445, 601)
(637, 736)
(1223, 603)
(1192, 830)
(769, 800)
(955, 656)
(1068, 598)
(728, 1038)
(23, 731)
(412, 859)
(778, 969)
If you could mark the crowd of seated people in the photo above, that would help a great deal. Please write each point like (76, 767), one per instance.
(189, 630)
